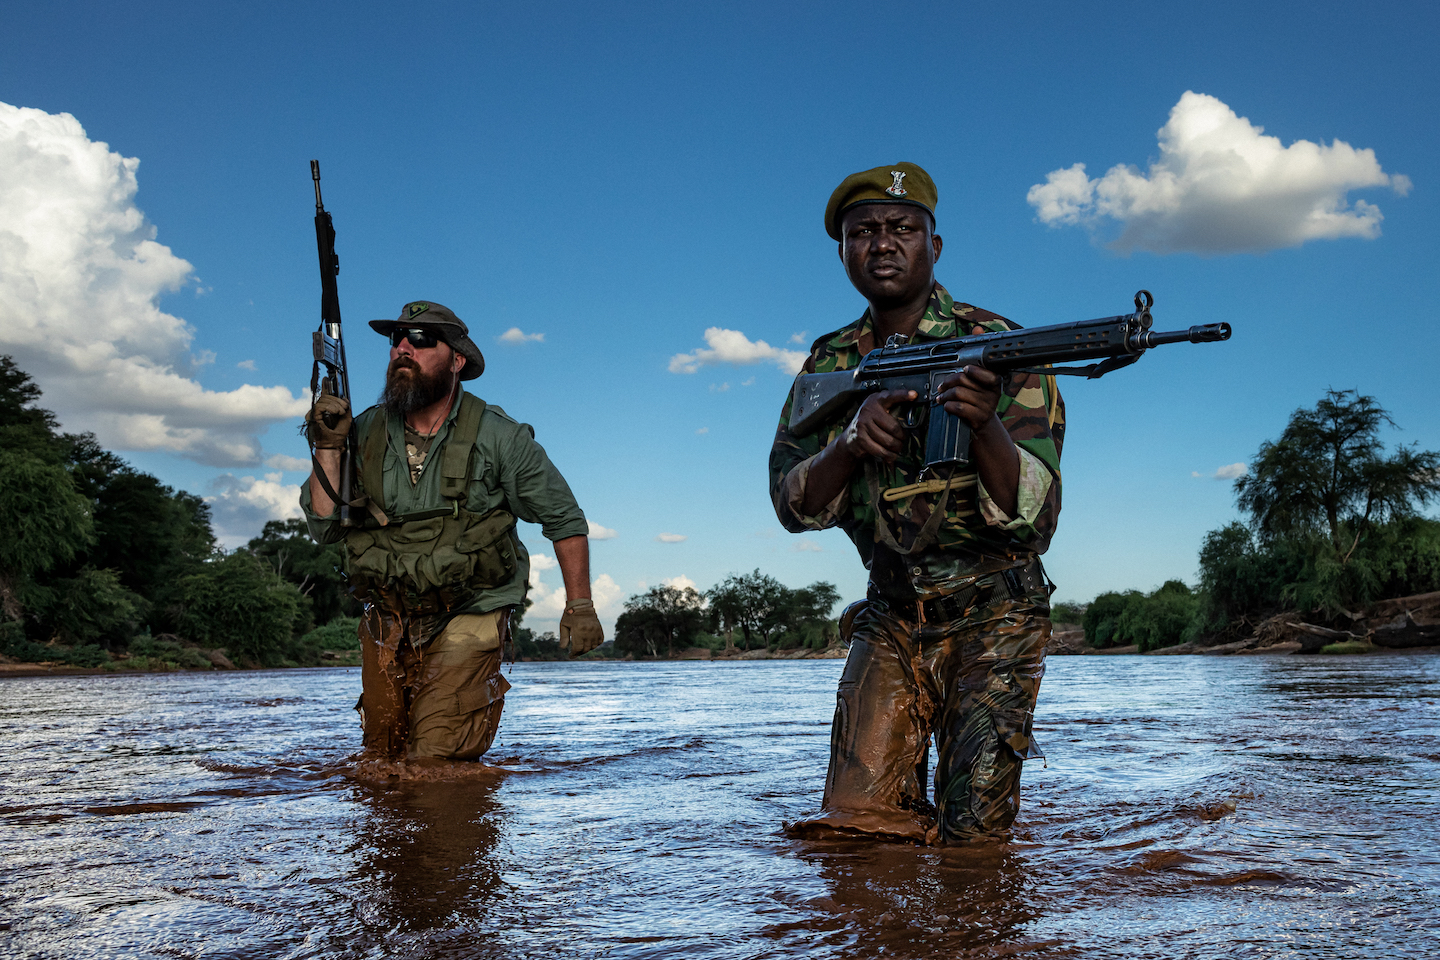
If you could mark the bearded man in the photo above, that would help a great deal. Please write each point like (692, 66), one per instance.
(437, 562)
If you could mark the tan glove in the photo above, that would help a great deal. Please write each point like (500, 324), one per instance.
(580, 630)
(326, 437)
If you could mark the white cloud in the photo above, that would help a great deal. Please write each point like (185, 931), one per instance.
(548, 603)
(598, 532)
(240, 506)
(733, 347)
(1232, 471)
(246, 365)
(1220, 186)
(281, 461)
(516, 335)
(746, 383)
(680, 582)
(702, 431)
(80, 280)
(798, 338)
(672, 538)
(804, 545)
(720, 388)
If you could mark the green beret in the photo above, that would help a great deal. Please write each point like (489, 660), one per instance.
(897, 183)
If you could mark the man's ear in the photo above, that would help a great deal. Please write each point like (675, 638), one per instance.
(457, 362)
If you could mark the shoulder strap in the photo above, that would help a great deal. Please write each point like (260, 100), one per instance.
(455, 468)
(372, 457)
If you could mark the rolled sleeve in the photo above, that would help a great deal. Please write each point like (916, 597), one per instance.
(1033, 486)
(792, 491)
(538, 492)
(322, 529)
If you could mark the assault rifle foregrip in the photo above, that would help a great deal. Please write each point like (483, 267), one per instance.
(922, 367)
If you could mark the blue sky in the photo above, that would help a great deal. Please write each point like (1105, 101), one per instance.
(618, 179)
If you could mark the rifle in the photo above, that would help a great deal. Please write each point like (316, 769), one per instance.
(1115, 341)
(330, 353)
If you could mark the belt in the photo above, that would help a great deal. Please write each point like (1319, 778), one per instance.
(1013, 583)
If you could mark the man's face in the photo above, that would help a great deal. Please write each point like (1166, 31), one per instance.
(889, 251)
(419, 376)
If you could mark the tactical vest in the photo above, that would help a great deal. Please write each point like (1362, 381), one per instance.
(429, 549)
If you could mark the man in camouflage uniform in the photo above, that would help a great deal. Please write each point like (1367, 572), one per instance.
(950, 639)
(437, 561)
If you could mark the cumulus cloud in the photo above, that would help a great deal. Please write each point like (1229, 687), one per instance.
(598, 532)
(671, 538)
(516, 335)
(1221, 186)
(1232, 471)
(702, 431)
(246, 365)
(80, 281)
(241, 506)
(548, 602)
(680, 582)
(280, 461)
(733, 347)
(804, 545)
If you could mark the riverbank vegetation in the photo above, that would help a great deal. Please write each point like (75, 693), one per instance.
(104, 566)
(1332, 526)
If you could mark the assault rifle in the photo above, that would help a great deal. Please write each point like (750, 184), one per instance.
(1115, 341)
(330, 352)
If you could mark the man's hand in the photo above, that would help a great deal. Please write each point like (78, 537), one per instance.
(972, 395)
(875, 431)
(580, 630)
(322, 435)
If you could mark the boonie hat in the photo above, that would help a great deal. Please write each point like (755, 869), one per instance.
(897, 183)
(447, 326)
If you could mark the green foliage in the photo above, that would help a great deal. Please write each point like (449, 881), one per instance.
(165, 653)
(239, 604)
(1327, 475)
(1067, 612)
(1169, 615)
(340, 634)
(662, 618)
(531, 646)
(46, 522)
(91, 606)
(768, 611)
(315, 568)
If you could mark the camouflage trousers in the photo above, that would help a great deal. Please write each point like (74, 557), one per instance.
(972, 682)
(431, 684)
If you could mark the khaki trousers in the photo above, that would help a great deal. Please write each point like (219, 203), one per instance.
(427, 695)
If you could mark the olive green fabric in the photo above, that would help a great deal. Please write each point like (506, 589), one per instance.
(504, 470)
(896, 183)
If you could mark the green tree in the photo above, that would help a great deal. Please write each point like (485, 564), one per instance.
(663, 615)
(748, 601)
(239, 603)
(1328, 475)
(314, 568)
(46, 524)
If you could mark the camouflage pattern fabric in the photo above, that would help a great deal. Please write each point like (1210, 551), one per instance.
(432, 683)
(972, 682)
(1030, 408)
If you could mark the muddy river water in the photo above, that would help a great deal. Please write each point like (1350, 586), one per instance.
(1189, 807)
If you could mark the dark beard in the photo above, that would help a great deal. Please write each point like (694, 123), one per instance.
(406, 394)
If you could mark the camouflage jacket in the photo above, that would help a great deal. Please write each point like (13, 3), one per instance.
(886, 505)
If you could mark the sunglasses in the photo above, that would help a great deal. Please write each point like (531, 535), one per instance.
(419, 339)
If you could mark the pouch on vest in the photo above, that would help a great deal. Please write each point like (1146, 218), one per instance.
(450, 546)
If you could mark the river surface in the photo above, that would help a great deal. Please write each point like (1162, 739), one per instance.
(1189, 807)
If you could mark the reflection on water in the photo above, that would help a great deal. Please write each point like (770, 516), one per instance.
(1191, 807)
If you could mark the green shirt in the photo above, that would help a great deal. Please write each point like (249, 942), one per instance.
(509, 470)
